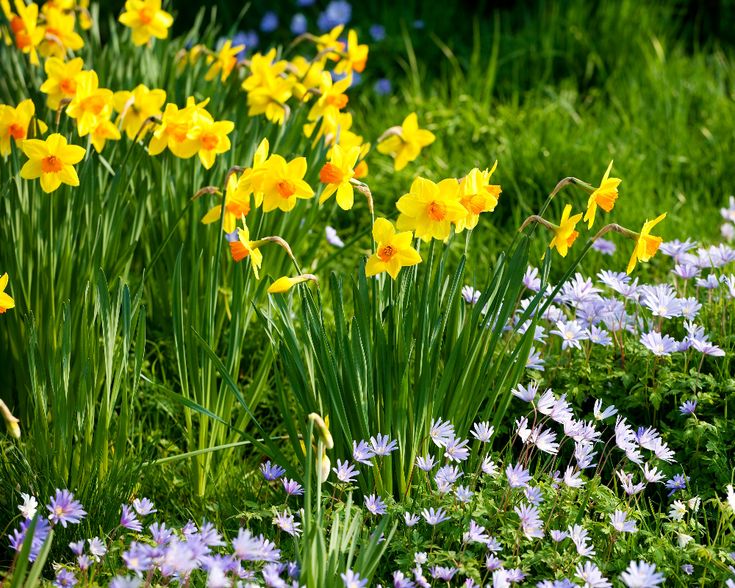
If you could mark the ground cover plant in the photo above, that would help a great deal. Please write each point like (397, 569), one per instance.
(280, 305)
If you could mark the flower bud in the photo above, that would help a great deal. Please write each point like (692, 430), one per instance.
(322, 430)
(10, 421)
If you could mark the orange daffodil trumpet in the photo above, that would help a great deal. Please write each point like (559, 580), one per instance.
(337, 174)
(51, 160)
(404, 143)
(604, 197)
(146, 20)
(393, 250)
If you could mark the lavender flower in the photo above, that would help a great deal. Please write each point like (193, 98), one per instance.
(375, 505)
(434, 517)
(470, 295)
(345, 471)
(410, 519)
(299, 24)
(425, 463)
(292, 487)
(271, 471)
(482, 431)
(604, 246)
(456, 450)
(64, 509)
(286, 522)
(621, 524)
(129, 520)
(571, 334)
(143, 506)
(641, 575)
(362, 453)
(382, 445)
(518, 476)
(383, 87)
(442, 573)
(353, 580)
(40, 534)
(659, 345)
(377, 32)
(441, 432)
(591, 575)
(64, 579)
(678, 482)
(688, 407)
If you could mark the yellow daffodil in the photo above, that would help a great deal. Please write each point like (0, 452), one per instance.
(393, 250)
(61, 80)
(237, 205)
(306, 75)
(15, 123)
(283, 183)
(429, 209)
(646, 244)
(337, 173)
(404, 143)
(212, 139)
(564, 233)
(241, 247)
(136, 107)
(59, 34)
(270, 99)
(332, 97)
(177, 130)
(604, 197)
(224, 61)
(268, 90)
(105, 131)
(329, 46)
(28, 35)
(146, 19)
(6, 302)
(91, 104)
(477, 195)
(354, 56)
(252, 178)
(52, 160)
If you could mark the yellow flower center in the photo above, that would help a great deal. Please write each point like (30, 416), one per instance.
(330, 174)
(68, 86)
(386, 252)
(209, 141)
(51, 164)
(145, 15)
(436, 211)
(17, 131)
(286, 188)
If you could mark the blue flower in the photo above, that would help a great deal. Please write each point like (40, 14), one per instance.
(377, 32)
(688, 407)
(678, 482)
(298, 24)
(338, 12)
(303, 3)
(269, 22)
(383, 87)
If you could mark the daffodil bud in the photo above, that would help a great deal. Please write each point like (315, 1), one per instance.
(322, 430)
(284, 284)
(324, 468)
(10, 421)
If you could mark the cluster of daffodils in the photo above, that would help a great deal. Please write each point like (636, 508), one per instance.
(518, 516)
(431, 211)
(48, 32)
